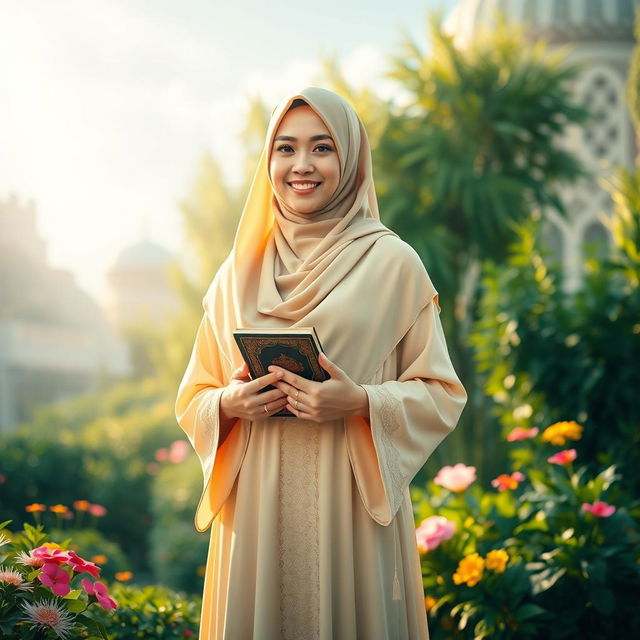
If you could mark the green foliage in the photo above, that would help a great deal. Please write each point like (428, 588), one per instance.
(478, 145)
(177, 551)
(545, 354)
(152, 612)
(570, 574)
(56, 461)
(633, 80)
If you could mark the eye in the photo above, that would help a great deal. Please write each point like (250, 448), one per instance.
(326, 147)
(284, 147)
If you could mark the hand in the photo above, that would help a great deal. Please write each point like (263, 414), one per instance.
(241, 398)
(321, 401)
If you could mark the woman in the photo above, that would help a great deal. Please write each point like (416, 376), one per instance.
(312, 530)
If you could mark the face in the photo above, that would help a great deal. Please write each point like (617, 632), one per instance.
(304, 167)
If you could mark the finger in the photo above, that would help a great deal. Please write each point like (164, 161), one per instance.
(297, 381)
(272, 407)
(263, 381)
(269, 396)
(332, 369)
(299, 412)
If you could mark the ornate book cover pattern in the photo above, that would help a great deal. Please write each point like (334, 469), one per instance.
(295, 352)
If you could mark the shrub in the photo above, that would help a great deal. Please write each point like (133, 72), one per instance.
(549, 554)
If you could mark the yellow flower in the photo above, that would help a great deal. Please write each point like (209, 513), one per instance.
(559, 432)
(124, 575)
(469, 570)
(497, 560)
(51, 545)
(99, 559)
(429, 602)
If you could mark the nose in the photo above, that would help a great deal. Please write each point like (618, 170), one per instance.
(302, 163)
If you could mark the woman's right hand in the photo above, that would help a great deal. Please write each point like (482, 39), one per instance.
(242, 397)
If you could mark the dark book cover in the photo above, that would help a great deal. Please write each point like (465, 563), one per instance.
(295, 349)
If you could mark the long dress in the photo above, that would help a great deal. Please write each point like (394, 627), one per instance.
(312, 527)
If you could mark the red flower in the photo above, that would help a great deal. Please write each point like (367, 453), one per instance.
(505, 481)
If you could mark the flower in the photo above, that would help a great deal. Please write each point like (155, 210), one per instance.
(559, 432)
(162, 454)
(11, 576)
(563, 457)
(81, 505)
(100, 592)
(179, 451)
(97, 510)
(455, 478)
(496, 560)
(123, 575)
(28, 559)
(432, 531)
(45, 553)
(36, 506)
(81, 565)
(58, 508)
(507, 481)
(99, 559)
(429, 602)
(599, 508)
(55, 577)
(47, 614)
(470, 570)
(520, 433)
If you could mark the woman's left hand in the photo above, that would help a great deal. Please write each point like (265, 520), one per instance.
(321, 401)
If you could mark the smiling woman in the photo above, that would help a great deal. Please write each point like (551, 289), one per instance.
(312, 530)
(306, 170)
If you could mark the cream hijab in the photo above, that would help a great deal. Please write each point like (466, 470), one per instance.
(290, 269)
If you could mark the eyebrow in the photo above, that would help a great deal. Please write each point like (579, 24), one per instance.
(320, 136)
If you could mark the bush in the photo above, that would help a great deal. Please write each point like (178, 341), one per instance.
(552, 554)
(46, 591)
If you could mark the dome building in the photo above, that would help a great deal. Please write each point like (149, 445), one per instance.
(599, 34)
(139, 287)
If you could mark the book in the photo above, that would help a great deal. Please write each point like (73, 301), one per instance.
(295, 349)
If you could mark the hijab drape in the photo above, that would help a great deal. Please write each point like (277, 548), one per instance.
(285, 267)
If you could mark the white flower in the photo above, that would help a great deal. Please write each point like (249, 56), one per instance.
(47, 614)
(4, 539)
(28, 560)
(11, 576)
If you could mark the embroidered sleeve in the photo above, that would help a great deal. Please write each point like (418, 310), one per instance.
(409, 416)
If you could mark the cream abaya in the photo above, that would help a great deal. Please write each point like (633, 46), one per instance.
(312, 529)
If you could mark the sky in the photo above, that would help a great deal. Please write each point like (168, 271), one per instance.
(107, 106)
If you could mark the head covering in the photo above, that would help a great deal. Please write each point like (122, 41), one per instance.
(290, 269)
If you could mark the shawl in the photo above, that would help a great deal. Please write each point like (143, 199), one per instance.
(288, 269)
(364, 289)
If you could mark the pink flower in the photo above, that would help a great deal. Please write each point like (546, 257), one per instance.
(507, 481)
(162, 454)
(432, 531)
(100, 592)
(563, 457)
(179, 451)
(456, 478)
(520, 433)
(81, 565)
(44, 554)
(55, 577)
(97, 510)
(599, 508)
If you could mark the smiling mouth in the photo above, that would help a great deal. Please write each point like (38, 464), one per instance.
(304, 187)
